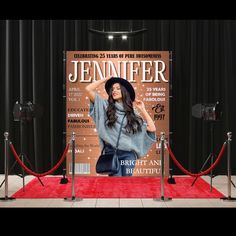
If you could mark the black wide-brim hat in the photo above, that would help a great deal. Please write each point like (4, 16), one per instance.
(124, 82)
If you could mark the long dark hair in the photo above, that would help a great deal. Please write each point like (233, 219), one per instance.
(134, 121)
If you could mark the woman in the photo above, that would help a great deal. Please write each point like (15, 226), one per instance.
(136, 136)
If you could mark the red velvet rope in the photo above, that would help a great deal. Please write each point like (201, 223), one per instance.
(34, 173)
(201, 173)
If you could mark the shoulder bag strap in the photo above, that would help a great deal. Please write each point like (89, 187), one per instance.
(119, 133)
(117, 143)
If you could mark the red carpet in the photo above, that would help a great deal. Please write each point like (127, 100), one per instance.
(117, 187)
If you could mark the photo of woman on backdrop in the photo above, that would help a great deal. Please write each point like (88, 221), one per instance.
(116, 117)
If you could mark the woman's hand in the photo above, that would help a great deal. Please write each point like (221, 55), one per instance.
(107, 78)
(150, 124)
(91, 88)
(139, 104)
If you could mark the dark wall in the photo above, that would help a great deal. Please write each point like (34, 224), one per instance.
(31, 69)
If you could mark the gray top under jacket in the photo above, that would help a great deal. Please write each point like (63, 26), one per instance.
(139, 142)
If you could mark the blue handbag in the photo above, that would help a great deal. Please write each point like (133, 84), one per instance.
(108, 163)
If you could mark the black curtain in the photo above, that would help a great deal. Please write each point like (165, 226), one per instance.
(32, 69)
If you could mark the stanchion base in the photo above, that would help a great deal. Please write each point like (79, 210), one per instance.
(72, 199)
(228, 199)
(162, 199)
(7, 198)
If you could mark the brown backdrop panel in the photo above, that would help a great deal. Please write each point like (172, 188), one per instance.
(148, 71)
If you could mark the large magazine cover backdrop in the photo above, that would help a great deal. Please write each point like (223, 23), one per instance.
(148, 71)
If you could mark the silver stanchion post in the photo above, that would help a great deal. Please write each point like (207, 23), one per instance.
(229, 198)
(73, 198)
(6, 148)
(162, 198)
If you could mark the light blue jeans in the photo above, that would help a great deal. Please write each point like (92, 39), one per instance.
(127, 161)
